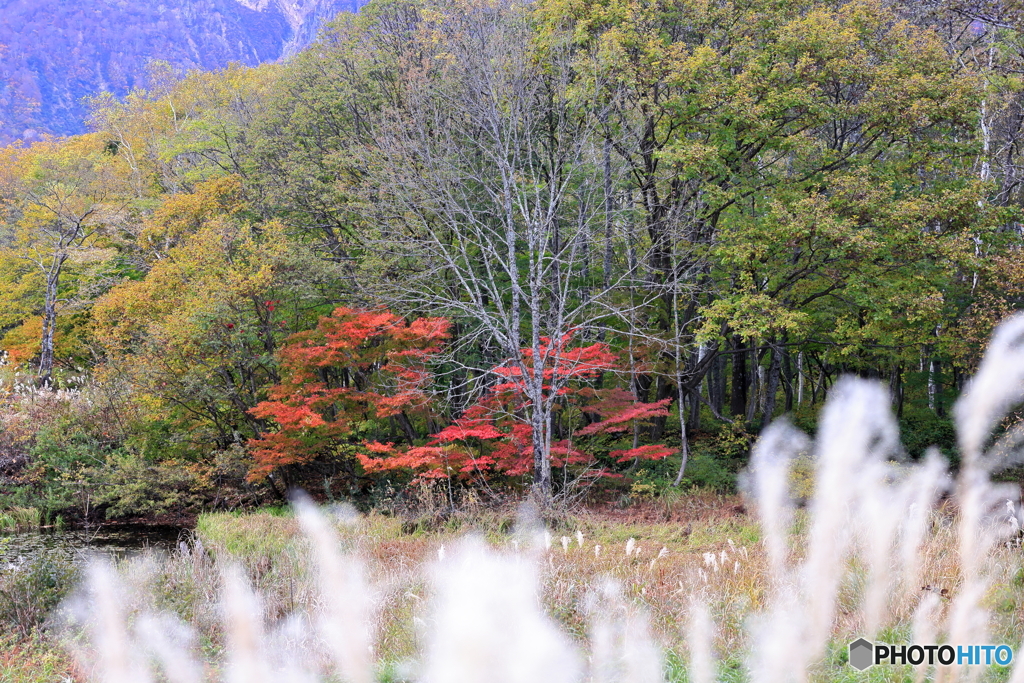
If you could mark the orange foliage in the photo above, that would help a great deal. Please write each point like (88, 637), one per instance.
(490, 438)
(23, 342)
(354, 366)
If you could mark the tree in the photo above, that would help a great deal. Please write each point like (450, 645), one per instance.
(726, 115)
(358, 373)
(491, 437)
(183, 130)
(353, 368)
(61, 196)
(486, 179)
(195, 336)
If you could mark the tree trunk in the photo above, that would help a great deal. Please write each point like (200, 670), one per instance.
(684, 447)
(935, 386)
(608, 210)
(754, 390)
(787, 376)
(738, 402)
(896, 390)
(800, 379)
(695, 408)
(49, 325)
(642, 387)
(772, 386)
(695, 400)
(541, 457)
(663, 391)
(821, 387)
(716, 384)
(407, 428)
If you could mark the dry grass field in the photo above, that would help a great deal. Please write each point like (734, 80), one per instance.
(637, 574)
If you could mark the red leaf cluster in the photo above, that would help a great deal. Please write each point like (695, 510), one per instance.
(364, 365)
(355, 365)
(490, 439)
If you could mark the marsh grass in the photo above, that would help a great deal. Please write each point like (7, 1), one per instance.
(20, 519)
(31, 588)
(34, 660)
(668, 564)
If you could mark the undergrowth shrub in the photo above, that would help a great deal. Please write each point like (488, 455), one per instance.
(34, 659)
(19, 519)
(84, 452)
(708, 470)
(921, 428)
(127, 485)
(31, 589)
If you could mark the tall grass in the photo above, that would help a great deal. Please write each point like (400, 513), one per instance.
(885, 549)
(20, 519)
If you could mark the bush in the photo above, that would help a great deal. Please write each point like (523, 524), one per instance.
(705, 470)
(29, 591)
(921, 428)
(128, 485)
(35, 659)
(18, 518)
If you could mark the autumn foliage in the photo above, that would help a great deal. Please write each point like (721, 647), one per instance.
(492, 438)
(353, 367)
(359, 366)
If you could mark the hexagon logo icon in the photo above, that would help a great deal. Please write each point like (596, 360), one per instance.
(862, 654)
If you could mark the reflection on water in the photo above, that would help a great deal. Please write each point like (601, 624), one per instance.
(79, 545)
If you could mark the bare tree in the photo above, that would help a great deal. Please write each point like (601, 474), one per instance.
(492, 187)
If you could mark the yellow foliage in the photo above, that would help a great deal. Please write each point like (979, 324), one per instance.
(22, 343)
(184, 214)
(220, 264)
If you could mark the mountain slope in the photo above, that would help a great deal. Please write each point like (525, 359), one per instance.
(55, 52)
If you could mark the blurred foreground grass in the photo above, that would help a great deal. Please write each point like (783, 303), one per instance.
(660, 552)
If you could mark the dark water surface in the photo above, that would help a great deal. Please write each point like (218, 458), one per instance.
(79, 545)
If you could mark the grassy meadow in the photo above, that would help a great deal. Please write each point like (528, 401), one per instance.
(659, 552)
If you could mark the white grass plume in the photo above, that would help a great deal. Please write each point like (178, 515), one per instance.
(243, 627)
(346, 620)
(925, 624)
(769, 483)
(116, 656)
(995, 388)
(487, 625)
(777, 639)
(171, 643)
(856, 434)
(622, 650)
(921, 489)
(699, 640)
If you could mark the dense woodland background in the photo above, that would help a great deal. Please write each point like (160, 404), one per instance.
(474, 246)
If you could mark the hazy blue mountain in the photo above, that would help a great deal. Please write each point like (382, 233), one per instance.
(55, 52)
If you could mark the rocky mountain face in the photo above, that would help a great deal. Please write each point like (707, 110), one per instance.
(304, 17)
(53, 53)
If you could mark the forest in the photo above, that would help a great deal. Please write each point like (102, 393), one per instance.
(585, 249)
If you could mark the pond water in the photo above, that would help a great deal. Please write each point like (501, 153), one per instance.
(79, 545)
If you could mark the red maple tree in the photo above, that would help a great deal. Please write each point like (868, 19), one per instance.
(492, 438)
(360, 366)
(354, 366)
